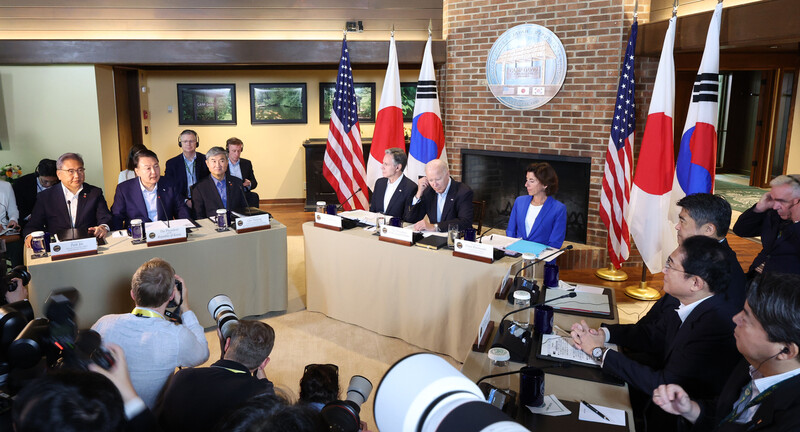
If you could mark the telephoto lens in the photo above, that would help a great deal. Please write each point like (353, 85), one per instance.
(221, 309)
(343, 416)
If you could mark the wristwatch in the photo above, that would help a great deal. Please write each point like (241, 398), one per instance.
(597, 353)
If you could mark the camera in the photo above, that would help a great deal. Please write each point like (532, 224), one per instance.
(174, 315)
(342, 416)
(9, 285)
(220, 307)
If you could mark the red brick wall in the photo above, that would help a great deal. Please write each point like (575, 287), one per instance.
(576, 121)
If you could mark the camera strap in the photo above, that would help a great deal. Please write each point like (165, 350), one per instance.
(229, 369)
(145, 313)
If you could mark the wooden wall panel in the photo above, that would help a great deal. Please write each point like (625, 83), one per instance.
(205, 19)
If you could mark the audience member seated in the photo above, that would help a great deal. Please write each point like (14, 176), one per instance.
(537, 216)
(695, 345)
(271, 413)
(27, 187)
(394, 191)
(129, 173)
(242, 168)
(147, 196)
(774, 217)
(763, 392)
(9, 215)
(443, 200)
(73, 205)
(319, 385)
(189, 167)
(219, 190)
(196, 399)
(154, 346)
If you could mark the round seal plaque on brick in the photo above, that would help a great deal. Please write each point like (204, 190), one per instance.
(526, 67)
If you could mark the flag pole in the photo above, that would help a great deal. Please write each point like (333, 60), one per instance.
(642, 291)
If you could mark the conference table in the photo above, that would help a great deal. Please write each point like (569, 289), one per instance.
(477, 365)
(250, 268)
(425, 297)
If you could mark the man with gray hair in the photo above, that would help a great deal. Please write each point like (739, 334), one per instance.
(393, 192)
(443, 200)
(774, 217)
(220, 190)
(75, 204)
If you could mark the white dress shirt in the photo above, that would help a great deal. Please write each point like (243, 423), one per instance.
(150, 202)
(531, 215)
(390, 188)
(72, 202)
(8, 204)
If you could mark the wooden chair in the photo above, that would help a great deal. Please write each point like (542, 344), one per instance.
(478, 211)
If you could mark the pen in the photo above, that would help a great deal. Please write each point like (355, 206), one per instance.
(594, 410)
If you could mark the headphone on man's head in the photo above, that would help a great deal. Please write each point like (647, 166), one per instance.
(188, 131)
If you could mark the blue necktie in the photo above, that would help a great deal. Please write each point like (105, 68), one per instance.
(222, 193)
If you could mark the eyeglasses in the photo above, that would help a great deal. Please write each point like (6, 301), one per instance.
(72, 172)
(669, 266)
(329, 366)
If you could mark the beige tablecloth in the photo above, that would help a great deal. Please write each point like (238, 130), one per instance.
(249, 268)
(428, 298)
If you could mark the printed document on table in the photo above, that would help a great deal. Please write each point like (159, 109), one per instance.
(582, 302)
(551, 407)
(560, 347)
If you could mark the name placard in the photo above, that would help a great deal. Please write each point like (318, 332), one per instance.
(166, 235)
(251, 223)
(325, 220)
(396, 233)
(472, 250)
(73, 248)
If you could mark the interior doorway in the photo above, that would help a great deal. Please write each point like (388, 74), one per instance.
(129, 123)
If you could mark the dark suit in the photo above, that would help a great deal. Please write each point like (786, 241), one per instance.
(206, 199)
(550, 226)
(176, 171)
(129, 203)
(698, 355)
(780, 251)
(196, 399)
(399, 201)
(25, 190)
(457, 207)
(778, 412)
(247, 174)
(51, 214)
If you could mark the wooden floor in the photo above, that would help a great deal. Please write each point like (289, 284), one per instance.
(293, 216)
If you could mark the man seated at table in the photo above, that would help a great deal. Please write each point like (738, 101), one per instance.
(75, 204)
(763, 392)
(443, 200)
(196, 399)
(219, 190)
(154, 346)
(187, 168)
(242, 168)
(393, 192)
(775, 218)
(694, 345)
(147, 196)
(28, 187)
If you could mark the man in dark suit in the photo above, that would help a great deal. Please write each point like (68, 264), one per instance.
(775, 218)
(443, 200)
(694, 345)
(763, 392)
(73, 205)
(219, 190)
(147, 197)
(242, 168)
(394, 191)
(189, 167)
(28, 187)
(196, 399)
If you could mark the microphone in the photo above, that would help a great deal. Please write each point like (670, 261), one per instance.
(538, 260)
(166, 216)
(568, 295)
(534, 287)
(484, 233)
(341, 206)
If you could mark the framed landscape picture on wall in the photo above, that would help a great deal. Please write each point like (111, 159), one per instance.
(278, 103)
(207, 104)
(365, 100)
(408, 96)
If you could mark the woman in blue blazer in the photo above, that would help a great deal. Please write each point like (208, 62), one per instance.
(538, 217)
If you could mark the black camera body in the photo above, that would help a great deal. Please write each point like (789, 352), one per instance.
(174, 315)
(8, 284)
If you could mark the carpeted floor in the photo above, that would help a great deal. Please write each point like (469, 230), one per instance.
(741, 197)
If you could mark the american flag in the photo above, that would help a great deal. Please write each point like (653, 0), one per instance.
(616, 193)
(344, 160)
